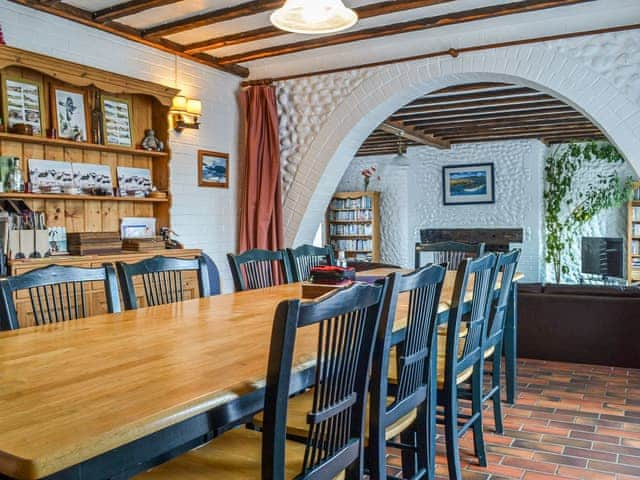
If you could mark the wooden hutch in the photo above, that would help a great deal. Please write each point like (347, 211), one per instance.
(633, 236)
(150, 104)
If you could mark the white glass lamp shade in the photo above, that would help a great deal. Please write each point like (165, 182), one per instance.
(179, 104)
(194, 107)
(314, 16)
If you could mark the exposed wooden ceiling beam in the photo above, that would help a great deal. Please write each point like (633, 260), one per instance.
(556, 140)
(427, 120)
(549, 132)
(463, 97)
(209, 18)
(85, 17)
(436, 112)
(129, 8)
(517, 123)
(410, 133)
(465, 87)
(366, 11)
(404, 27)
(523, 100)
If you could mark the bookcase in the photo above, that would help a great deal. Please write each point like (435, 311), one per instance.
(353, 225)
(633, 240)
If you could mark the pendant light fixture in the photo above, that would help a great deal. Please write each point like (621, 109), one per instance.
(401, 159)
(314, 16)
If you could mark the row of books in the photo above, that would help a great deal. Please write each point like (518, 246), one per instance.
(351, 229)
(362, 202)
(635, 263)
(635, 230)
(635, 247)
(351, 215)
(635, 214)
(636, 194)
(352, 245)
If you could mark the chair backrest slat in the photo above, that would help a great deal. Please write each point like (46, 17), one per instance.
(163, 279)
(449, 252)
(305, 257)
(346, 323)
(49, 291)
(505, 271)
(257, 268)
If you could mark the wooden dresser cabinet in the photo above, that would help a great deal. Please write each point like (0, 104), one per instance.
(94, 296)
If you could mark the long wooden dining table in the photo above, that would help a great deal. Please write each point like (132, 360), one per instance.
(111, 395)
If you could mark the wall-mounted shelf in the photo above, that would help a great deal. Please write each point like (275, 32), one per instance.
(57, 142)
(66, 196)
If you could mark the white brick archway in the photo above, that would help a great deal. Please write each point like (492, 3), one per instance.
(338, 133)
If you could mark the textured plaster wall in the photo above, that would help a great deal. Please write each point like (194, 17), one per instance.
(204, 217)
(412, 197)
(334, 113)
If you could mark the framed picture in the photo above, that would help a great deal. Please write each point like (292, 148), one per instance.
(134, 182)
(23, 102)
(50, 176)
(116, 124)
(213, 169)
(70, 114)
(92, 179)
(468, 184)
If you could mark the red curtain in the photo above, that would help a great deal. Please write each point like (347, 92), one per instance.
(261, 207)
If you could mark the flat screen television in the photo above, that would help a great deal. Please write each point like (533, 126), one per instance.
(602, 256)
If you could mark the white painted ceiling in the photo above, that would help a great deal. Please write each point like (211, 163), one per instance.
(590, 15)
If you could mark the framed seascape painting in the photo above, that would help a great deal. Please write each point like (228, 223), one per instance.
(23, 102)
(116, 121)
(468, 184)
(70, 114)
(213, 169)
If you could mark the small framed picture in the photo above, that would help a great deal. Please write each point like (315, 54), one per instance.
(23, 102)
(134, 182)
(116, 125)
(468, 184)
(70, 114)
(213, 169)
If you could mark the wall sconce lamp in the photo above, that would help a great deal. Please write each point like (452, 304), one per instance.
(184, 109)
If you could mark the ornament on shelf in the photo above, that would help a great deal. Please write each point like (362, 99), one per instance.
(151, 142)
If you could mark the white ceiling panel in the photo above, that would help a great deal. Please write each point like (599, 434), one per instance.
(92, 5)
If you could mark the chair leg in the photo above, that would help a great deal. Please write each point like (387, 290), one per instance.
(422, 440)
(476, 408)
(377, 454)
(408, 437)
(496, 385)
(451, 435)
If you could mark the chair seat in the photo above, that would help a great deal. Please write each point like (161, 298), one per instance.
(301, 405)
(234, 455)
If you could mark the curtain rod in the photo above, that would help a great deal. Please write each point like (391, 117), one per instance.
(453, 52)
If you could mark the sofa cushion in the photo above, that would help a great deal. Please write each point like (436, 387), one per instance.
(592, 290)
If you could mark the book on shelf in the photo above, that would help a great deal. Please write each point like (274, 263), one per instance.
(636, 194)
(352, 245)
(343, 203)
(635, 230)
(351, 229)
(635, 214)
(350, 215)
(635, 247)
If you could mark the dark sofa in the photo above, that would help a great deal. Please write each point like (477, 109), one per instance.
(580, 323)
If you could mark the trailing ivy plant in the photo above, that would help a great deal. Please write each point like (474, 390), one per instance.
(568, 209)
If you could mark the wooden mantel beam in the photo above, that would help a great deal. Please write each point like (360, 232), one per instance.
(413, 134)
(454, 18)
(129, 8)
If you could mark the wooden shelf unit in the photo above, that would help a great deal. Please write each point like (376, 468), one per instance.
(150, 105)
(369, 219)
(633, 272)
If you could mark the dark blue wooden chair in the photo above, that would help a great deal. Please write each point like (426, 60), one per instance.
(57, 293)
(449, 253)
(505, 270)
(345, 324)
(464, 357)
(259, 269)
(305, 257)
(162, 279)
(409, 375)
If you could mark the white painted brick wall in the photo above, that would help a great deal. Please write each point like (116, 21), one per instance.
(204, 217)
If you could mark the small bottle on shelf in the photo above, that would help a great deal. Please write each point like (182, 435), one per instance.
(15, 178)
(342, 260)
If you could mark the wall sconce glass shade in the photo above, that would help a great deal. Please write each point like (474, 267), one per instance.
(194, 107)
(179, 104)
(314, 16)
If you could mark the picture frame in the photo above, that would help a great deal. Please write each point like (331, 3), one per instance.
(470, 184)
(50, 176)
(134, 182)
(23, 102)
(213, 169)
(117, 128)
(92, 179)
(70, 113)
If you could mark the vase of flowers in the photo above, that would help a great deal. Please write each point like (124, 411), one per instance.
(367, 174)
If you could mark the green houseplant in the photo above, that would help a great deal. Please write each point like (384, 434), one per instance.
(568, 209)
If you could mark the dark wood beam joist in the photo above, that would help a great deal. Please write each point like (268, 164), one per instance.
(523, 100)
(427, 121)
(436, 112)
(404, 27)
(210, 18)
(535, 132)
(473, 86)
(415, 135)
(455, 127)
(463, 97)
(85, 17)
(366, 11)
(129, 8)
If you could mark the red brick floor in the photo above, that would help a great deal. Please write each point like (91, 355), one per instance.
(570, 422)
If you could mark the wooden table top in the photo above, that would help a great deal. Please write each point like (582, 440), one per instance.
(71, 391)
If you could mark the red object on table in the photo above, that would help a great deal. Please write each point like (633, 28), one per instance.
(332, 275)
(2, 42)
